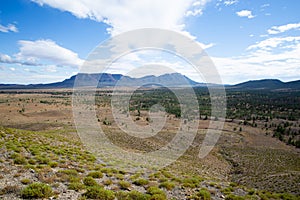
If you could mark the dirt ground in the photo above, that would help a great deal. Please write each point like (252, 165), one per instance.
(243, 145)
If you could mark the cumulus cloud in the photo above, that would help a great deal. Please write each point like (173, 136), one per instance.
(280, 29)
(131, 14)
(9, 60)
(49, 51)
(41, 53)
(245, 13)
(8, 28)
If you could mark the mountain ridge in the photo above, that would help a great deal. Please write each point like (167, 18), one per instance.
(167, 80)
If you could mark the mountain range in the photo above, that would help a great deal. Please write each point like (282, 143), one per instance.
(167, 80)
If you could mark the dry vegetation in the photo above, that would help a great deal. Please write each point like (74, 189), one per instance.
(41, 156)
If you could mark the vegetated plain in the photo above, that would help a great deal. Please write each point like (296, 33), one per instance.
(256, 157)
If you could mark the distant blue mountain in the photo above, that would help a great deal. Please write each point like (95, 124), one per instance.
(168, 80)
(106, 80)
(267, 84)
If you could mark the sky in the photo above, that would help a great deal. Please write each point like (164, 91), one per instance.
(43, 41)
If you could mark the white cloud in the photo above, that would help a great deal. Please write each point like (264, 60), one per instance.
(206, 46)
(245, 13)
(197, 8)
(230, 2)
(130, 14)
(270, 58)
(49, 51)
(42, 53)
(51, 68)
(194, 12)
(283, 28)
(5, 58)
(9, 60)
(275, 42)
(12, 69)
(8, 28)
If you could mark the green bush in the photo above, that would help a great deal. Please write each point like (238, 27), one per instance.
(42, 160)
(19, 159)
(233, 197)
(286, 196)
(141, 182)
(191, 182)
(227, 190)
(124, 184)
(156, 193)
(154, 190)
(36, 190)
(204, 194)
(132, 195)
(53, 164)
(97, 192)
(168, 185)
(96, 174)
(107, 182)
(89, 181)
(76, 186)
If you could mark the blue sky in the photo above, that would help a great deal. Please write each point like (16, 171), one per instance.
(45, 41)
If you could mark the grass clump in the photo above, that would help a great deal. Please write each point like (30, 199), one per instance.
(98, 192)
(132, 195)
(53, 164)
(156, 193)
(76, 186)
(25, 181)
(191, 182)
(19, 159)
(36, 190)
(107, 182)
(95, 174)
(89, 181)
(124, 185)
(135, 176)
(203, 194)
(168, 185)
(227, 190)
(141, 182)
(233, 197)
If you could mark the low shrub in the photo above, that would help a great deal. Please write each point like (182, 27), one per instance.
(141, 182)
(76, 186)
(132, 195)
(204, 194)
(233, 197)
(95, 174)
(53, 164)
(89, 181)
(124, 185)
(98, 192)
(36, 190)
(168, 185)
